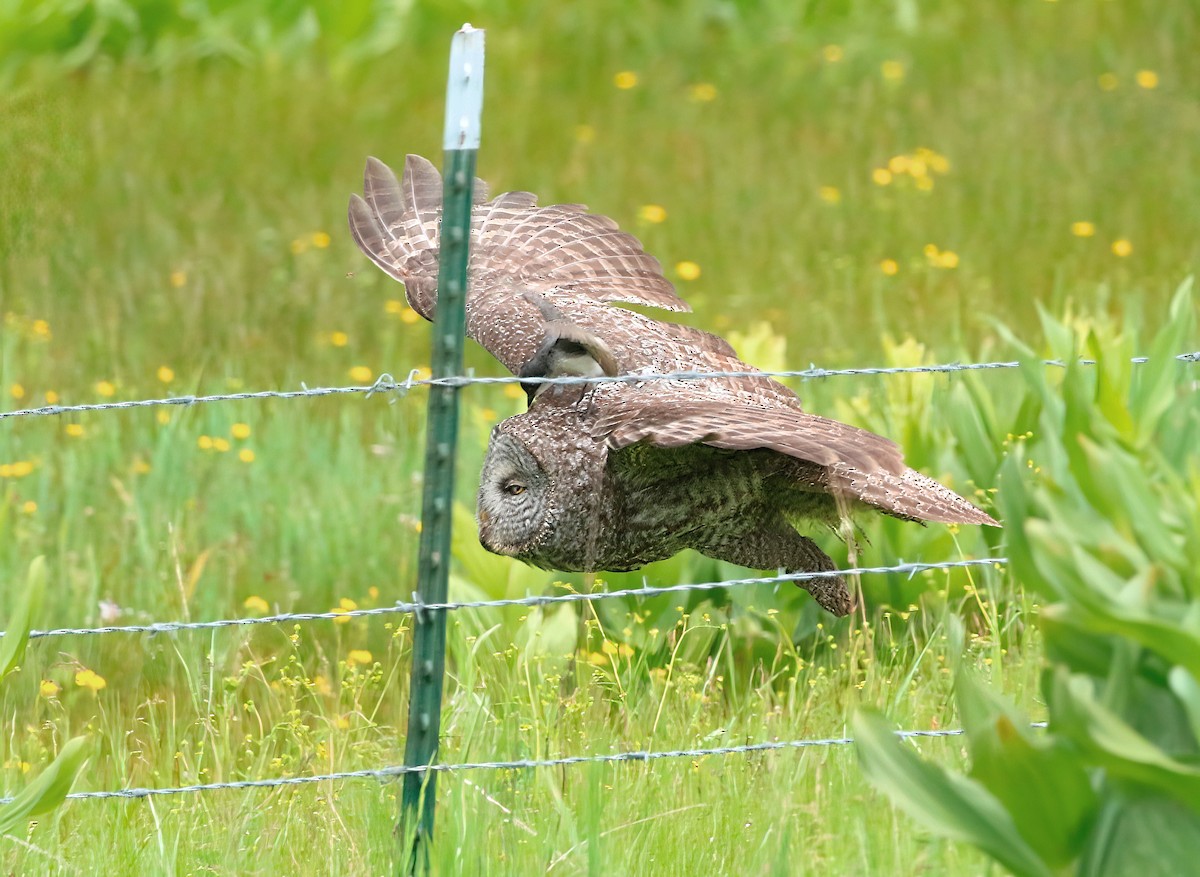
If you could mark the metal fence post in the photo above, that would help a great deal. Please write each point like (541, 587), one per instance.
(464, 103)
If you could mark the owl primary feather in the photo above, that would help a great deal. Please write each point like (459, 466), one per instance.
(611, 476)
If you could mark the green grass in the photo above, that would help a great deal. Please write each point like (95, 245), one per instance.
(175, 217)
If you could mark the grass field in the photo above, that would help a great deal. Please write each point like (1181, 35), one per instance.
(849, 186)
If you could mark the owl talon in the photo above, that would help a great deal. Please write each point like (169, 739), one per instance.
(831, 595)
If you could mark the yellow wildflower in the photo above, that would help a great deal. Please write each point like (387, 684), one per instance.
(29, 507)
(687, 270)
(1146, 79)
(409, 316)
(90, 679)
(240, 431)
(513, 391)
(48, 688)
(40, 328)
(893, 71)
(166, 374)
(361, 373)
(246, 455)
(394, 306)
(1122, 248)
(178, 278)
(653, 213)
(319, 239)
(51, 397)
(585, 133)
(1107, 81)
(204, 443)
(1083, 229)
(889, 267)
(339, 339)
(220, 444)
(74, 430)
(105, 388)
(345, 605)
(625, 80)
(17, 391)
(358, 656)
(881, 176)
(830, 194)
(163, 417)
(255, 603)
(702, 92)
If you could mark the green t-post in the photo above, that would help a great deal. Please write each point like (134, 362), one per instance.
(464, 103)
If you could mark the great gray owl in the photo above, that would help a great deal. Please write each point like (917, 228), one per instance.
(611, 476)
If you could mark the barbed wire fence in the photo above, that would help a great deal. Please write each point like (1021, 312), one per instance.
(386, 384)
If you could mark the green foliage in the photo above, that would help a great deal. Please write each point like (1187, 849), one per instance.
(52, 785)
(26, 609)
(947, 802)
(71, 34)
(1104, 524)
(49, 789)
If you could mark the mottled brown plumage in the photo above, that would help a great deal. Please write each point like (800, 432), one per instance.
(613, 476)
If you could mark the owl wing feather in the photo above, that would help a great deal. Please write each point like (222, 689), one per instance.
(733, 425)
(560, 251)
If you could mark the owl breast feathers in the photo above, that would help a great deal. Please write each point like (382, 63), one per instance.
(611, 476)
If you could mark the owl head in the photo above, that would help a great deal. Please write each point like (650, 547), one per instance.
(516, 511)
(543, 471)
(542, 484)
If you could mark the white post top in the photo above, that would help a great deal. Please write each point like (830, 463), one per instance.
(464, 91)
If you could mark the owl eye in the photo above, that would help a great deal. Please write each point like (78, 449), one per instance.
(514, 488)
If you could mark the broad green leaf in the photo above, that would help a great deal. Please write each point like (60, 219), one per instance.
(1186, 687)
(1157, 380)
(976, 445)
(1072, 643)
(1113, 373)
(1149, 837)
(1097, 608)
(49, 789)
(29, 603)
(947, 803)
(1112, 744)
(1041, 783)
(1123, 481)
(1014, 504)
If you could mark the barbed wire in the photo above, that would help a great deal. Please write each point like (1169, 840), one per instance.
(385, 383)
(393, 771)
(417, 606)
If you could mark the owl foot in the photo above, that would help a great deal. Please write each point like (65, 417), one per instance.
(831, 594)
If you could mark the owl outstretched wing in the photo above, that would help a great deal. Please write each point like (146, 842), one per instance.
(527, 261)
